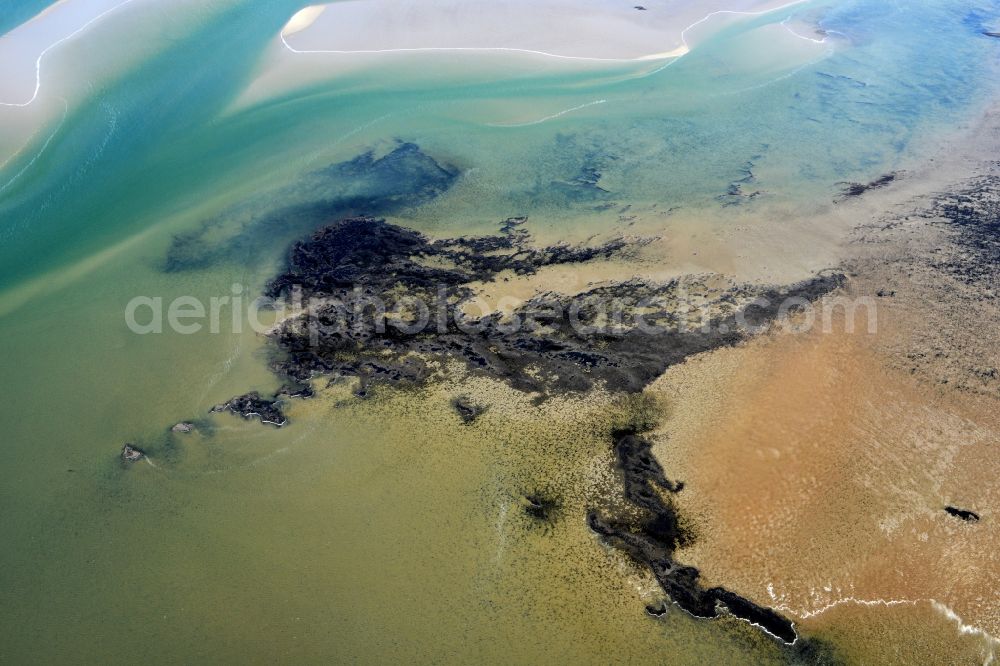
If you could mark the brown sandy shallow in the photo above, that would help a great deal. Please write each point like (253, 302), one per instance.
(817, 475)
(817, 466)
(436, 558)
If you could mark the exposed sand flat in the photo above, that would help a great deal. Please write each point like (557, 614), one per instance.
(30, 110)
(50, 64)
(511, 38)
(589, 29)
(302, 20)
(24, 49)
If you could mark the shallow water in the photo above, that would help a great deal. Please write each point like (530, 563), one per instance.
(382, 529)
(849, 464)
(17, 13)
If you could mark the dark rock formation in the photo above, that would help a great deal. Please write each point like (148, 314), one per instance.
(382, 300)
(467, 410)
(652, 538)
(369, 253)
(296, 390)
(131, 453)
(857, 189)
(973, 213)
(938, 257)
(251, 405)
(656, 610)
(512, 227)
(964, 514)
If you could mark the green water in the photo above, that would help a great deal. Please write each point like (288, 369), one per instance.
(383, 529)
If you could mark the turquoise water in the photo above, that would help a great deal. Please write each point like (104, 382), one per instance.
(224, 548)
(156, 137)
(16, 12)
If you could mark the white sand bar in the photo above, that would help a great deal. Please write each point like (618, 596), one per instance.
(584, 29)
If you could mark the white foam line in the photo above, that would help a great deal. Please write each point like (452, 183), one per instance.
(738, 13)
(673, 58)
(803, 614)
(968, 630)
(888, 603)
(684, 32)
(963, 628)
(554, 115)
(416, 49)
(38, 61)
(42, 150)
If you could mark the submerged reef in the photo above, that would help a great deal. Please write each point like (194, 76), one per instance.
(402, 178)
(857, 189)
(736, 194)
(467, 410)
(580, 164)
(541, 506)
